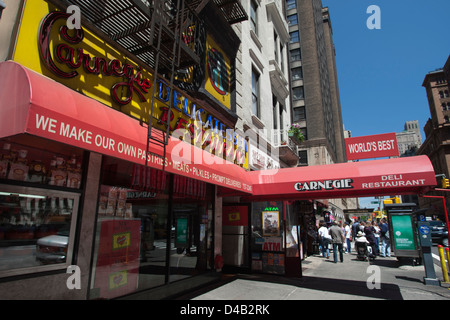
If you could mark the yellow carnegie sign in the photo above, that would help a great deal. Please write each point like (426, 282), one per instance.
(86, 63)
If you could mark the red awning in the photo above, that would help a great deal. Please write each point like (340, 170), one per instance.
(409, 175)
(34, 104)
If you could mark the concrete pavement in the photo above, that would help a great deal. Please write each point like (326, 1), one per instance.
(382, 279)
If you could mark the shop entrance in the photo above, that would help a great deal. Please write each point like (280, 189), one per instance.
(191, 240)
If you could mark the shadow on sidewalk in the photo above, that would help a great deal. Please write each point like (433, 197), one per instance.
(351, 287)
(320, 284)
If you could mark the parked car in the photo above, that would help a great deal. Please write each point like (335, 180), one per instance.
(439, 232)
(53, 248)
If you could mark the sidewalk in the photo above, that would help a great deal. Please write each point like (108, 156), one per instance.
(325, 280)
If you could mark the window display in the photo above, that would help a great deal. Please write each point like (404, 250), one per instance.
(35, 227)
(152, 229)
(23, 160)
(37, 215)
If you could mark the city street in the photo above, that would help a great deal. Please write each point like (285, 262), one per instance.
(382, 279)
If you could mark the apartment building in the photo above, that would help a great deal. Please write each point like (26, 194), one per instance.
(314, 84)
(437, 131)
(262, 85)
(314, 88)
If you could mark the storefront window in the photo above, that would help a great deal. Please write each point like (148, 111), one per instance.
(37, 208)
(34, 160)
(35, 228)
(144, 217)
(267, 240)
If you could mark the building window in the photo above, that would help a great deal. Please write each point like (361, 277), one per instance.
(297, 73)
(299, 114)
(295, 37)
(292, 19)
(296, 55)
(254, 16)
(291, 4)
(38, 217)
(303, 158)
(140, 218)
(305, 132)
(298, 93)
(441, 94)
(255, 93)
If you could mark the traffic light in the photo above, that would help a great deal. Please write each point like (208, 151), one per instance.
(445, 183)
(327, 216)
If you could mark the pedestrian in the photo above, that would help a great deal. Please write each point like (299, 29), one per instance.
(337, 239)
(355, 228)
(385, 239)
(377, 237)
(348, 237)
(324, 239)
(370, 236)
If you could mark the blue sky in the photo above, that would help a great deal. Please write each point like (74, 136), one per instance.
(380, 72)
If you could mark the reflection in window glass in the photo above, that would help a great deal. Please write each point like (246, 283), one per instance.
(35, 226)
(191, 241)
(136, 233)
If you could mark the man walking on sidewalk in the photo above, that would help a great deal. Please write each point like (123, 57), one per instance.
(337, 239)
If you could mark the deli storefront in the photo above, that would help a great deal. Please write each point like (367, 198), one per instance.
(87, 213)
(270, 230)
(82, 194)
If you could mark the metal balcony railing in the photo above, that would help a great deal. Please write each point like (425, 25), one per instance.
(280, 138)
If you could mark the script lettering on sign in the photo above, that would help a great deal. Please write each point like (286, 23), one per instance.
(121, 92)
(73, 56)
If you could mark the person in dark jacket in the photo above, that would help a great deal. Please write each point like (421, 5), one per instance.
(370, 235)
(384, 237)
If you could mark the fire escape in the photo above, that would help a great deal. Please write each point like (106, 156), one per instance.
(163, 34)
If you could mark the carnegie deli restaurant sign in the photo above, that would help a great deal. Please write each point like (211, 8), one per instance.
(88, 64)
